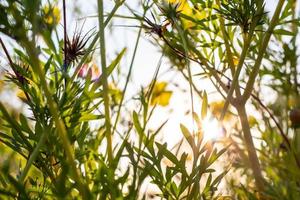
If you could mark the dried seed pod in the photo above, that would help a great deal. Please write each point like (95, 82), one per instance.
(75, 48)
(295, 117)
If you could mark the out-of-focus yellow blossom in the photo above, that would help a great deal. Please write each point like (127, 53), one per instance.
(52, 15)
(224, 198)
(216, 109)
(1, 84)
(160, 95)
(185, 8)
(292, 101)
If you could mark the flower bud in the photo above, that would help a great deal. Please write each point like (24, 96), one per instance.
(295, 117)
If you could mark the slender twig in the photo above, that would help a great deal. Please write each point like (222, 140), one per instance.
(261, 52)
(104, 81)
(65, 64)
(65, 36)
(127, 78)
(228, 50)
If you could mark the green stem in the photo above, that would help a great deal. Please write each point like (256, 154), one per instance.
(186, 50)
(104, 81)
(235, 80)
(127, 78)
(247, 41)
(261, 52)
(228, 50)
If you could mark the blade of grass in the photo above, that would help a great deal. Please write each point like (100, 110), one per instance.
(104, 81)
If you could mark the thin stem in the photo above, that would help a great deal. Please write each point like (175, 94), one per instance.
(127, 78)
(228, 50)
(261, 52)
(104, 81)
(14, 69)
(193, 84)
(185, 46)
(65, 36)
(202, 61)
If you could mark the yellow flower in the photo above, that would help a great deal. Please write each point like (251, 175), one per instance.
(1, 84)
(52, 15)
(185, 8)
(216, 109)
(160, 95)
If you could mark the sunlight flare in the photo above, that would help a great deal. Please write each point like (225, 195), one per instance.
(212, 129)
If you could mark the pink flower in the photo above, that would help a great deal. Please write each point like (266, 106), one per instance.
(83, 71)
(89, 70)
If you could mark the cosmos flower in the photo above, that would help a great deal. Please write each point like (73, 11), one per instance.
(90, 69)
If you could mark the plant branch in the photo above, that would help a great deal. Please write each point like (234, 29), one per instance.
(261, 52)
(228, 50)
(253, 159)
(235, 81)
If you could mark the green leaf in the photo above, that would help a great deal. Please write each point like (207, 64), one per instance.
(48, 63)
(283, 32)
(168, 154)
(219, 178)
(188, 136)
(87, 117)
(137, 124)
(24, 124)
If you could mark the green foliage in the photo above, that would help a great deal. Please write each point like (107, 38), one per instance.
(76, 137)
